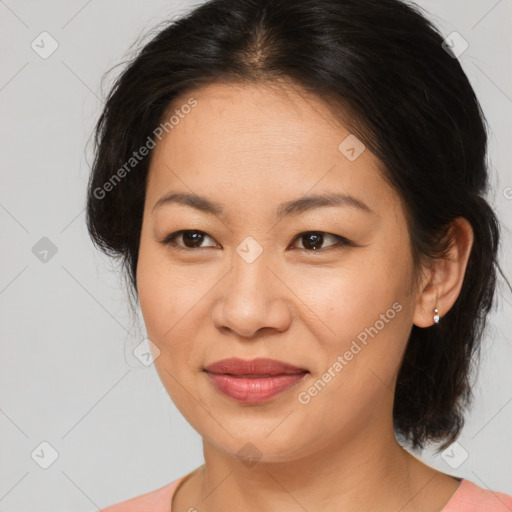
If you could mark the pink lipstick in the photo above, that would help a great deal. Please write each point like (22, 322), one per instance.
(253, 381)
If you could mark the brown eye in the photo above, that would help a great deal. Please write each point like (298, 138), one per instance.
(313, 240)
(191, 239)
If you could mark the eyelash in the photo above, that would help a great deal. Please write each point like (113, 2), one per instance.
(341, 241)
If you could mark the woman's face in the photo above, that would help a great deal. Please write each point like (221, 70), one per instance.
(247, 280)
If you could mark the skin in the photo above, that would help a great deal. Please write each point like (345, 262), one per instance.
(251, 148)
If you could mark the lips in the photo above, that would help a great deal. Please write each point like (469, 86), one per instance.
(254, 381)
(253, 368)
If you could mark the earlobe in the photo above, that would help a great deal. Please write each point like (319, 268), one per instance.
(436, 311)
(428, 311)
(440, 291)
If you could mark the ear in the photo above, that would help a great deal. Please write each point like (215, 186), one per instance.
(444, 276)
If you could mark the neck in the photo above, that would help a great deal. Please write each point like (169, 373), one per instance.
(367, 470)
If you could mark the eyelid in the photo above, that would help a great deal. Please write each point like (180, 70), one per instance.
(169, 239)
(341, 241)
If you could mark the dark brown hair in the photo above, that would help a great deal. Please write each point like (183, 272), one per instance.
(410, 103)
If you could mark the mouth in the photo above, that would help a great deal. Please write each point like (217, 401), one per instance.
(254, 381)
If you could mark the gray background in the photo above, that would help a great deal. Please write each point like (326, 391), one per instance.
(68, 376)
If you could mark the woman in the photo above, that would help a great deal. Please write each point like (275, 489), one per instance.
(296, 190)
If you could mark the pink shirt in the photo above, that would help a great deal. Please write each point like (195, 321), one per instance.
(468, 497)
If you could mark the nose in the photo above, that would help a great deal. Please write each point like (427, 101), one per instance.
(252, 300)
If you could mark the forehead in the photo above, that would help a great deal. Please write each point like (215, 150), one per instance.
(269, 119)
(247, 141)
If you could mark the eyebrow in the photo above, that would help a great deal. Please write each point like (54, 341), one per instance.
(288, 208)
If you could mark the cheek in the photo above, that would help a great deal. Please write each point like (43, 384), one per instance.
(171, 299)
(346, 299)
(161, 296)
(360, 335)
(359, 312)
(166, 302)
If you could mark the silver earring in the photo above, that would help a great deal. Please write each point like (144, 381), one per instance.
(436, 313)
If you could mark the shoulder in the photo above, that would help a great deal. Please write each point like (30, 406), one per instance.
(158, 500)
(470, 497)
